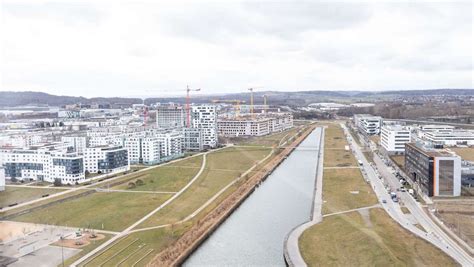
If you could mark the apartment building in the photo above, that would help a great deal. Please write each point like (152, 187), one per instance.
(204, 118)
(171, 144)
(394, 137)
(43, 163)
(78, 143)
(170, 116)
(2, 179)
(192, 139)
(437, 172)
(106, 159)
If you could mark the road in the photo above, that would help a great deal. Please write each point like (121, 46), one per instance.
(434, 234)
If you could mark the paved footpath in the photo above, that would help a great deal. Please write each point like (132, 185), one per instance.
(292, 253)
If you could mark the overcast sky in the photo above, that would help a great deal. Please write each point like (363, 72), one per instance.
(103, 48)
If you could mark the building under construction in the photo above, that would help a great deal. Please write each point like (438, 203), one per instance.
(255, 124)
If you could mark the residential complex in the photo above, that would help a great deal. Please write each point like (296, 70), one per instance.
(437, 172)
(43, 163)
(106, 159)
(2, 179)
(259, 125)
(394, 137)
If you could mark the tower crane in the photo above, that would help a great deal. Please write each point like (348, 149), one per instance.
(265, 102)
(251, 98)
(188, 100)
(234, 101)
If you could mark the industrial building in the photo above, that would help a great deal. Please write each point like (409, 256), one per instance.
(394, 137)
(437, 172)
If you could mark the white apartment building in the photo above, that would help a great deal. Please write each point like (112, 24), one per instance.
(79, 143)
(171, 144)
(150, 150)
(192, 139)
(368, 124)
(106, 159)
(204, 117)
(394, 137)
(258, 126)
(170, 116)
(2, 179)
(43, 163)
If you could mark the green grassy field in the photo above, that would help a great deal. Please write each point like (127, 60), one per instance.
(170, 178)
(337, 187)
(222, 167)
(267, 140)
(374, 240)
(338, 158)
(466, 153)
(113, 211)
(137, 248)
(85, 250)
(399, 160)
(334, 137)
(23, 194)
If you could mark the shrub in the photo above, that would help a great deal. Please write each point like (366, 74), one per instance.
(131, 185)
(139, 182)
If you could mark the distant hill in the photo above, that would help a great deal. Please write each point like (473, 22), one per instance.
(12, 99)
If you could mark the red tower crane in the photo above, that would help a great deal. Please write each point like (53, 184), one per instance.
(188, 100)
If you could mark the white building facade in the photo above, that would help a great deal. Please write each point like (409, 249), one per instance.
(394, 137)
(204, 118)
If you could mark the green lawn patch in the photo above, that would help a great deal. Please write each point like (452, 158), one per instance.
(345, 189)
(19, 195)
(348, 240)
(113, 211)
(170, 178)
(222, 168)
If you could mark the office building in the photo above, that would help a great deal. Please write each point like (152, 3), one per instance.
(437, 172)
(450, 137)
(394, 137)
(368, 124)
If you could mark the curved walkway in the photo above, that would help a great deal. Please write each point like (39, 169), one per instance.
(291, 248)
(129, 229)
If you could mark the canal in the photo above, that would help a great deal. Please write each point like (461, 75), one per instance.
(254, 234)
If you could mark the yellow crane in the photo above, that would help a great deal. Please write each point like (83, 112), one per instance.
(251, 98)
(236, 103)
(265, 98)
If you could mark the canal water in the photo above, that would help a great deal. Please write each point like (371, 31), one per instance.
(254, 234)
